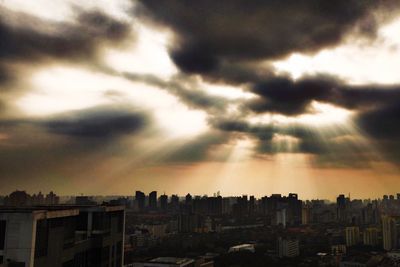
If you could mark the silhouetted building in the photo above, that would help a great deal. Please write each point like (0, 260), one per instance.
(140, 200)
(153, 200)
(163, 202)
(18, 198)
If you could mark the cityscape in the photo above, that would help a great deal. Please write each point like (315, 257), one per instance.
(170, 230)
(202, 133)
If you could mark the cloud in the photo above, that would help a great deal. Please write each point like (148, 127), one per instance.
(211, 33)
(286, 96)
(29, 40)
(103, 122)
(26, 38)
(185, 89)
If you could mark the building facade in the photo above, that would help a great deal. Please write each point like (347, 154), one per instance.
(61, 236)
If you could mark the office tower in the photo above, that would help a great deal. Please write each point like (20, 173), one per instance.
(64, 236)
(174, 203)
(341, 205)
(389, 233)
(140, 199)
(288, 247)
(352, 236)
(370, 237)
(163, 202)
(153, 200)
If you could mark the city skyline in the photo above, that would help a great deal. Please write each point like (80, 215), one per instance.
(110, 97)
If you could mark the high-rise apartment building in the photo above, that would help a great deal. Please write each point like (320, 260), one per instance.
(62, 236)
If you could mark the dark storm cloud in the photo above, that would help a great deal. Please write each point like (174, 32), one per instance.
(31, 40)
(26, 38)
(382, 123)
(97, 123)
(210, 33)
(285, 96)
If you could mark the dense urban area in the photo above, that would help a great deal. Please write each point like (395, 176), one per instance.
(152, 230)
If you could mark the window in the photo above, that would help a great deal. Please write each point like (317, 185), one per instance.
(2, 234)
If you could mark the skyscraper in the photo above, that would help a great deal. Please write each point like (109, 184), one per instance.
(153, 200)
(163, 202)
(140, 198)
(341, 203)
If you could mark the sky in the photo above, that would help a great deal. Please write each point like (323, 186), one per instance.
(242, 97)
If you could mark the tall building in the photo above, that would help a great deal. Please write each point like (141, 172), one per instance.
(288, 247)
(153, 200)
(294, 209)
(140, 200)
(174, 203)
(352, 236)
(63, 236)
(341, 208)
(188, 199)
(163, 202)
(370, 237)
(389, 233)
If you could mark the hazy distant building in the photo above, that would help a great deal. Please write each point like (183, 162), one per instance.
(62, 236)
(352, 236)
(389, 232)
(84, 200)
(52, 199)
